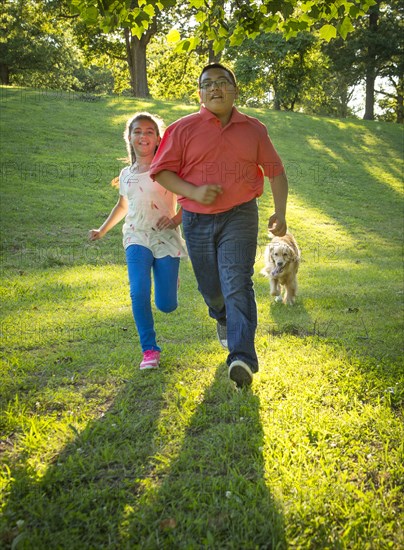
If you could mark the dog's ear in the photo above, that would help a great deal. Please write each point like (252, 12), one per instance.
(291, 254)
(294, 252)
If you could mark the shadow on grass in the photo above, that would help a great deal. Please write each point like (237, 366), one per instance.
(214, 494)
(136, 478)
(81, 500)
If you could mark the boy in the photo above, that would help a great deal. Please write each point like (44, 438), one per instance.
(215, 160)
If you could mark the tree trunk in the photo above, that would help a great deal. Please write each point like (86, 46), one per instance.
(370, 94)
(371, 63)
(137, 63)
(277, 102)
(4, 74)
(400, 105)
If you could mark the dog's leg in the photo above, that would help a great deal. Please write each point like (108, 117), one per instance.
(290, 295)
(275, 289)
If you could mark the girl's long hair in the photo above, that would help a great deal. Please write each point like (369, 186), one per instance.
(154, 119)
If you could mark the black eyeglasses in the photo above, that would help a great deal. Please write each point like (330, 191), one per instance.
(219, 83)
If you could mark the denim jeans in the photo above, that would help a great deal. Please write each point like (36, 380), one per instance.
(222, 250)
(140, 262)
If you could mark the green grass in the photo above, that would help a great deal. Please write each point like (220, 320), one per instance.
(96, 454)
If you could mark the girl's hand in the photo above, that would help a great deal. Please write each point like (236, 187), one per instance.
(94, 234)
(166, 223)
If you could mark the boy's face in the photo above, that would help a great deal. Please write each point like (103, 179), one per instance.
(217, 92)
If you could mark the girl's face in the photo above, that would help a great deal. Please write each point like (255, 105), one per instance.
(143, 138)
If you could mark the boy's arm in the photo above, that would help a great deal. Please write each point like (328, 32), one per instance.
(277, 222)
(204, 194)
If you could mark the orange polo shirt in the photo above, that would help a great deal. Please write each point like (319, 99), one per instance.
(201, 152)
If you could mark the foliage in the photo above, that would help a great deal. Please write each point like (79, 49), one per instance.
(270, 64)
(96, 454)
(172, 75)
(218, 22)
(35, 48)
(94, 79)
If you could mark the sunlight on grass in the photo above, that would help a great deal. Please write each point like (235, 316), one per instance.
(313, 423)
(385, 177)
(98, 454)
(318, 145)
(328, 231)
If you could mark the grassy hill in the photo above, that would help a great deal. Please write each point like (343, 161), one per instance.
(99, 455)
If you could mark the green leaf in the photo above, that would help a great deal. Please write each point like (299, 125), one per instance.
(149, 9)
(173, 36)
(354, 11)
(196, 3)
(219, 45)
(137, 31)
(201, 16)
(195, 41)
(223, 32)
(345, 27)
(327, 32)
(90, 14)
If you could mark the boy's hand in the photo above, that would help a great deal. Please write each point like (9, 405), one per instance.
(206, 194)
(277, 225)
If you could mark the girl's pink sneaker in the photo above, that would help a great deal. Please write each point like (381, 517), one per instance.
(150, 360)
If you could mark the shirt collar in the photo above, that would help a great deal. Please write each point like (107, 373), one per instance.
(236, 116)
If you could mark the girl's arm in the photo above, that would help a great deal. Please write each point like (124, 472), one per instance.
(177, 219)
(118, 212)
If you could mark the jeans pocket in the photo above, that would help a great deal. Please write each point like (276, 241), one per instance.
(189, 219)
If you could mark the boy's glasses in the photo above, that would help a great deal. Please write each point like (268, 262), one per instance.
(220, 83)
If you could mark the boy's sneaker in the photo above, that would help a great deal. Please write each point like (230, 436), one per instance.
(150, 360)
(222, 334)
(240, 373)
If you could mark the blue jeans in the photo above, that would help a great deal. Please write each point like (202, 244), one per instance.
(140, 262)
(222, 250)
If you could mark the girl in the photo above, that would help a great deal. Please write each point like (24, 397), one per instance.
(150, 235)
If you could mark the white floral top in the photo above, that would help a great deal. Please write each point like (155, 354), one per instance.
(148, 202)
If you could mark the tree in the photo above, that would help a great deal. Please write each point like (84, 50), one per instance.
(35, 48)
(122, 29)
(172, 75)
(269, 64)
(392, 70)
(371, 56)
(373, 51)
(217, 23)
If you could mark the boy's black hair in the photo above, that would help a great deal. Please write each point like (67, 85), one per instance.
(218, 66)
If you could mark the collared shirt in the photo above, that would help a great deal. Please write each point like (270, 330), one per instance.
(236, 156)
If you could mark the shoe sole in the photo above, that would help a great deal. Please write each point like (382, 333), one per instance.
(241, 374)
(222, 341)
(148, 367)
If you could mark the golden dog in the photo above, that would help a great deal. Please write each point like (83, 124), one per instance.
(282, 258)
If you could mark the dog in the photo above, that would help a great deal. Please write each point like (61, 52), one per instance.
(282, 258)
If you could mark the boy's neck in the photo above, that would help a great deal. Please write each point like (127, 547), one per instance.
(223, 117)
